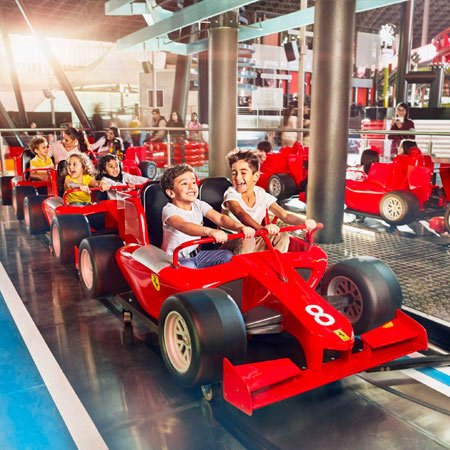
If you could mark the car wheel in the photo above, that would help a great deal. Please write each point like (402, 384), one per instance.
(399, 207)
(148, 169)
(99, 272)
(33, 215)
(18, 196)
(197, 329)
(281, 186)
(447, 219)
(66, 232)
(370, 287)
(6, 189)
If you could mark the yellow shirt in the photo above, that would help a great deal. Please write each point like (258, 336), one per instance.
(39, 163)
(78, 196)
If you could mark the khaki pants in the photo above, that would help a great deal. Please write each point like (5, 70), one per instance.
(241, 246)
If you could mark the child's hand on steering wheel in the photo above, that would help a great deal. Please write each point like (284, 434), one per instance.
(272, 228)
(310, 224)
(219, 236)
(248, 232)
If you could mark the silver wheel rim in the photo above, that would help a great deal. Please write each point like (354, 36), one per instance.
(56, 242)
(178, 342)
(151, 171)
(345, 287)
(86, 269)
(392, 209)
(275, 187)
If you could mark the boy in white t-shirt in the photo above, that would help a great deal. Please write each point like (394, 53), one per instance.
(248, 203)
(183, 220)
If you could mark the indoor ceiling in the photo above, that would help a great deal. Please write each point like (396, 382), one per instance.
(86, 19)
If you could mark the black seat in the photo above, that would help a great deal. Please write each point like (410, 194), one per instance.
(211, 191)
(27, 156)
(153, 200)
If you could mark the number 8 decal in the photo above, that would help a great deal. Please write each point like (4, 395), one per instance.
(320, 317)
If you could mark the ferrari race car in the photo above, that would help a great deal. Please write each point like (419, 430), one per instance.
(205, 316)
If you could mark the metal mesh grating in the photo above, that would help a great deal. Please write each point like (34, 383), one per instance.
(421, 267)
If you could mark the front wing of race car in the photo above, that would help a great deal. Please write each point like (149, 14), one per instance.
(255, 385)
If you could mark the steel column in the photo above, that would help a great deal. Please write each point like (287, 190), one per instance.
(332, 72)
(404, 51)
(59, 73)
(203, 85)
(436, 87)
(222, 90)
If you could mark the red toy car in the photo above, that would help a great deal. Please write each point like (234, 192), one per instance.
(400, 192)
(284, 173)
(205, 315)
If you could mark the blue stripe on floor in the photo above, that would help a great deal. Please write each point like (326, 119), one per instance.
(29, 419)
(436, 375)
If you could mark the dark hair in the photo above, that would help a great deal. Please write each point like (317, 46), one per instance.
(115, 130)
(81, 138)
(368, 157)
(35, 142)
(101, 168)
(168, 178)
(244, 155)
(157, 111)
(288, 113)
(405, 106)
(72, 132)
(264, 146)
(407, 145)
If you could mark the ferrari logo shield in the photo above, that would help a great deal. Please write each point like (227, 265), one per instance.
(155, 282)
(341, 334)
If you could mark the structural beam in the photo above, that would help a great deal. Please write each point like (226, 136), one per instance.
(286, 22)
(126, 8)
(180, 19)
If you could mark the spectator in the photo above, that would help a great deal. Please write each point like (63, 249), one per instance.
(176, 122)
(194, 129)
(135, 134)
(289, 121)
(157, 121)
(400, 122)
(97, 121)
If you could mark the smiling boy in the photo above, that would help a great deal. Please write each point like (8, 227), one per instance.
(248, 203)
(183, 220)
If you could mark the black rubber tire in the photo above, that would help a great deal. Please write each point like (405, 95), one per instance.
(99, 272)
(216, 330)
(447, 219)
(148, 169)
(6, 190)
(33, 215)
(69, 230)
(372, 288)
(18, 196)
(281, 186)
(399, 207)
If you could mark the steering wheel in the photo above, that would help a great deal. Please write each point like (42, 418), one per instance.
(263, 233)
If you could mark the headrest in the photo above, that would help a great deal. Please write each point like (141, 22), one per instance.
(211, 191)
(153, 200)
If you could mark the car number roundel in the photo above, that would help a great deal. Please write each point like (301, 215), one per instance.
(321, 317)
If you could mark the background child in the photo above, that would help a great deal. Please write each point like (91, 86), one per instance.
(183, 220)
(262, 149)
(39, 147)
(80, 171)
(368, 157)
(109, 170)
(248, 203)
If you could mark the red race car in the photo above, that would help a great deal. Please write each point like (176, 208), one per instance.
(205, 316)
(284, 173)
(400, 192)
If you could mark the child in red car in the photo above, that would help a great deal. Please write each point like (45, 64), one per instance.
(39, 147)
(80, 171)
(183, 220)
(248, 203)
